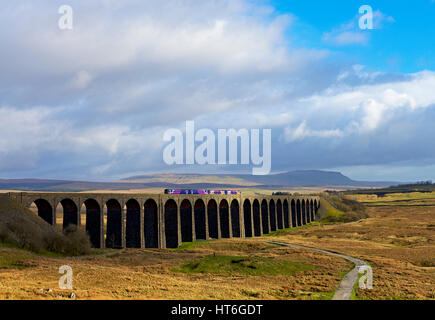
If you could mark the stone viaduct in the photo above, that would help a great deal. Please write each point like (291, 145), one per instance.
(166, 221)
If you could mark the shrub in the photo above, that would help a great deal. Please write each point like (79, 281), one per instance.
(73, 242)
(79, 243)
(20, 227)
(350, 210)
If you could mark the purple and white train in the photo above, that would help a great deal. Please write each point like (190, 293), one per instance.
(187, 191)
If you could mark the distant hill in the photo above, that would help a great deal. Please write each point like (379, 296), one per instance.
(306, 178)
(312, 178)
(193, 179)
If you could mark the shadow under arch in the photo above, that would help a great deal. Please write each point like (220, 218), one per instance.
(304, 213)
(200, 226)
(93, 222)
(114, 224)
(45, 210)
(235, 218)
(133, 231)
(307, 211)
(293, 214)
(256, 218)
(312, 210)
(151, 224)
(286, 214)
(247, 218)
(224, 215)
(265, 217)
(70, 213)
(298, 213)
(272, 213)
(171, 224)
(186, 221)
(279, 214)
(212, 219)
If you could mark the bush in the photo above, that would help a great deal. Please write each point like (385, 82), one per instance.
(351, 210)
(20, 227)
(21, 234)
(79, 243)
(73, 242)
(348, 217)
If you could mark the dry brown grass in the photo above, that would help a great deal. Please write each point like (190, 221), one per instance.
(397, 242)
(148, 274)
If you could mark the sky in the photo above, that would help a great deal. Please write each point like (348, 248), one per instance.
(94, 102)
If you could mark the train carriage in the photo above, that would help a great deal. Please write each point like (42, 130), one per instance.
(190, 191)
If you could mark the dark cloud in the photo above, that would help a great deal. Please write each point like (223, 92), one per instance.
(93, 103)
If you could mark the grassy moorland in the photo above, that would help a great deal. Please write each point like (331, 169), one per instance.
(411, 199)
(398, 242)
(225, 269)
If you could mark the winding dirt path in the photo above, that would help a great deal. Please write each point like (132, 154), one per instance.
(345, 289)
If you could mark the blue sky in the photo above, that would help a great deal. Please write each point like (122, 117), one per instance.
(94, 102)
(403, 44)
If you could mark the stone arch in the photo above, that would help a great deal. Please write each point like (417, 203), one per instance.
(186, 221)
(265, 216)
(70, 213)
(212, 219)
(114, 224)
(298, 213)
(279, 216)
(133, 231)
(304, 213)
(151, 224)
(286, 214)
(256, 218)
(200, 226)
(171, 224)
(294, 214)
(224, 215)
(45, 210)
(247, 218)
(93, 222)
(272, 213)
(312, 210)
(235, 218)
(307, 211)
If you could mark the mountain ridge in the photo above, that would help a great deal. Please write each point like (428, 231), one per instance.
(300, 178)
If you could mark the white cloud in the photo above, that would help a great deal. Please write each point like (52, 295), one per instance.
(81, 80)
(366, 107)
(95, 101)
(344, 38)
(302, 132)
